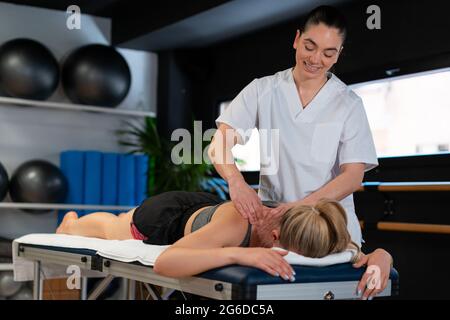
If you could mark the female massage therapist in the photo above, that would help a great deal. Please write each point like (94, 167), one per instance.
(324, 143)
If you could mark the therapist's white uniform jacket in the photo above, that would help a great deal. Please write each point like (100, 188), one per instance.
(313, 141)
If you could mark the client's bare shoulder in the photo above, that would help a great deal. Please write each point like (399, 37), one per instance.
(228, 211)
(227, 217)
(226, 229)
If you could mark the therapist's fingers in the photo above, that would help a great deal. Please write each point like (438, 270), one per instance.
(256, 207)
(248, 214)
(279, 212)
(258, 210)
(240, 208)
(251, 213)
(265, 212)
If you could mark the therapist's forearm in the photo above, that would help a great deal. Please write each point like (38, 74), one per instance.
(223, 161)
(229, 172)
(337, 189)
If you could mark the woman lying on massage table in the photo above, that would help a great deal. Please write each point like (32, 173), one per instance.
(207, 233)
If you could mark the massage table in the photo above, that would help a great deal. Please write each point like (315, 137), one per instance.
(39, 255)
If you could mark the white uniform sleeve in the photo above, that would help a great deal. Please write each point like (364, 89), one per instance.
(241, 114)
(356, 144)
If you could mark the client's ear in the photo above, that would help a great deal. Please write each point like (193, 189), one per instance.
(276, 234)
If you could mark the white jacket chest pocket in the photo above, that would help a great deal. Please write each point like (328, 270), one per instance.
(325, 141)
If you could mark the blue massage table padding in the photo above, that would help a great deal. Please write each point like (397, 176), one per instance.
(304, 274)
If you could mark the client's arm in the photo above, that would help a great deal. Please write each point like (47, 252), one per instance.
(215, 245)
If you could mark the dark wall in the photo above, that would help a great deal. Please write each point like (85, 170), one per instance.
(174, 95)
(411, 168)
(412, 38)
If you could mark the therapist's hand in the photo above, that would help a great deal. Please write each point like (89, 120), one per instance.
(269, 220)
(245, 199)
(376, 277)
(278, 212)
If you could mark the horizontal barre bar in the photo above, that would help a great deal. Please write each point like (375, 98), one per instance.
(414, 227)
(406, 186)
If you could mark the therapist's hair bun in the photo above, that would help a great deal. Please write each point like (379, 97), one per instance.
(330, 16)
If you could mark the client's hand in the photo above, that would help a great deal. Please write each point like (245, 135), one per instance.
(268, 260)
(375, 278)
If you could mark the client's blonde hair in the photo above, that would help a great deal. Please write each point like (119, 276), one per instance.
(316, 231)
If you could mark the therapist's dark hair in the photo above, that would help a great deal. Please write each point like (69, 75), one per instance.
(329, 16)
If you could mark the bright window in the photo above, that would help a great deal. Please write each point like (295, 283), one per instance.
(409, 115)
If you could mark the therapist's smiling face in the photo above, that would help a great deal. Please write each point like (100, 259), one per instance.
(317, 50)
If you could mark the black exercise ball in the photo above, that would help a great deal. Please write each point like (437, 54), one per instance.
(8, 287)
(3, 182)
(38, 181)
(96, 75)
(23, 294)
(27, 70)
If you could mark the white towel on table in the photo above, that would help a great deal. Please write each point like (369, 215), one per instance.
(335, 258)
(122, 250)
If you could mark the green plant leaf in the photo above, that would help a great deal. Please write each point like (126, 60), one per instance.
(163, 175)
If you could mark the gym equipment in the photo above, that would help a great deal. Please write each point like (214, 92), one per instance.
(3, 182)
(24, 293)
(96, 75)
(8, 287)
(27, 70)
(38, 181)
